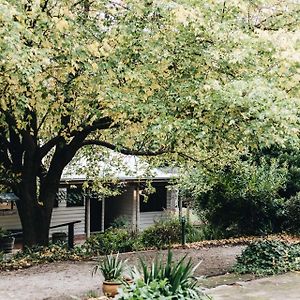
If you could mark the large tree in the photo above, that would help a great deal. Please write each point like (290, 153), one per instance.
(201, 80)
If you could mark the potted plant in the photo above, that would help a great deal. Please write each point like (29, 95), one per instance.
(6, 241)
(112, 269)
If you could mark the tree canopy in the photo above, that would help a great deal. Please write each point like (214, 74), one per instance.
(196, 80)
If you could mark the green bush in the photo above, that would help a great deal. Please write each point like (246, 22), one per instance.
(167, 280)
(162, 234)
(166, 232)
(292, 214)
(120, 222)
(37, 255)
(245, 200)
(140, 290)
(112, 241)
(268, 258)
(157, 290)
(3, 232)
(111, 268)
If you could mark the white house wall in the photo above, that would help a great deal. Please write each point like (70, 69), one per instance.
(60, 215)
(148, 218)
(123, 204)
(10, 221)
(63, 214)
(68, 214)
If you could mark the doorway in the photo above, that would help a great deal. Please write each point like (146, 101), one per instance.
(95, 215)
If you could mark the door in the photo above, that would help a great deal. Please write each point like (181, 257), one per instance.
(95, 215)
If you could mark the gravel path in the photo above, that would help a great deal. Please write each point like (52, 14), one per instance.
(65, 280)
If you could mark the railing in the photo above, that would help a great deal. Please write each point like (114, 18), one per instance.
(70, 232)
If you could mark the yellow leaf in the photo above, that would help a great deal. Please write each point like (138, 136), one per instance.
(94, 49)
(62, 25)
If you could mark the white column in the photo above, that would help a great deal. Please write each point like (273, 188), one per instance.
(136, 209)
(88, 216)
(103, 215)
(133, 222)
(138, 223)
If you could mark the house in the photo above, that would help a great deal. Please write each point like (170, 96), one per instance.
(96, 212)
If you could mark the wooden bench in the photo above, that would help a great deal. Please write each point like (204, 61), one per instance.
(19, 232)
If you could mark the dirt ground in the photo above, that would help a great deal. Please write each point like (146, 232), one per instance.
(70, 280)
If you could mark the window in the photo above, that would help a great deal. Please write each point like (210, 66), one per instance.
(156, 201)
(75, 197)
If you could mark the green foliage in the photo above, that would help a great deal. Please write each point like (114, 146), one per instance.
(244, 199)
(139, 290)
(120, 222)
(112, 241)
(162, 234)
(179, 275)
(38, 255)
(3, 232)
(167, 280)
(2, 256)
(292, 214)
(186, 78)
(195, 234)
(268, 258)
(92, 294)
(111, 267)
(166, 232)
(210, 232)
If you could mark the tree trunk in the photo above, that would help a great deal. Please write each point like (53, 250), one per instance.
(35, 210)
(37, 192)
(35, 221)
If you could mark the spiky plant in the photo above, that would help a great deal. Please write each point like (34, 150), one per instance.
(111, 267)
(179, 275)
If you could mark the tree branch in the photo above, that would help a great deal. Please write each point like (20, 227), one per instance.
(49, 145)
(125, 150)
(44, 6)
(103, 123)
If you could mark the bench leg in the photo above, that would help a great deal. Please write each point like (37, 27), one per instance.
(71, 236)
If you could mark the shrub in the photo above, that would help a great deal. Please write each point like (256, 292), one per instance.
(162, 234)
(203, 233)
(166, 232)
(292, 214)
(37, 255)
(3, 232)
(120, 222)
(164, 281)
(140, 290)
(111, 267)
(268, 258)
(245, 200)
(111, 241)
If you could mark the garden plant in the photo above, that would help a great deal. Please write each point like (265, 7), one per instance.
(164, 280)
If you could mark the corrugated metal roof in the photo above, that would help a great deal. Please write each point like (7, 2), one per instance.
(132, 169)
(8, 197)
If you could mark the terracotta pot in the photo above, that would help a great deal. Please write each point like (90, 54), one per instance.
(110, 289)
